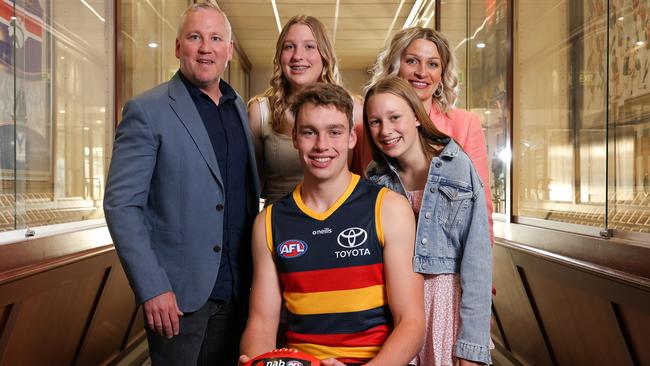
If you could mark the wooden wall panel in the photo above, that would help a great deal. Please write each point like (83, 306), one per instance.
(53, 321)
(585, 314)
(521, 332)
(9, 319)
(4, 317)
(635, 324)
(59, 306)
(580, 327)
(110, 322)
(136, 332)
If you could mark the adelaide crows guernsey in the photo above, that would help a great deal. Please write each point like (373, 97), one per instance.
(332, 273)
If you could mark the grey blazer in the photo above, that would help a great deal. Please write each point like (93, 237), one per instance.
(163, 192)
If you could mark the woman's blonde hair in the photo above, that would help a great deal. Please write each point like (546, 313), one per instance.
(388, 62)
(430, 136)
(280, 90)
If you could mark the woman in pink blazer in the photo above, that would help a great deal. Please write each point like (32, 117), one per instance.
(423, 57)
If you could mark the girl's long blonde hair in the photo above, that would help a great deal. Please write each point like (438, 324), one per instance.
(280, 91)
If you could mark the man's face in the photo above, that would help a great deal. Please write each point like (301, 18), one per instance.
(204, 48)
(323, 138)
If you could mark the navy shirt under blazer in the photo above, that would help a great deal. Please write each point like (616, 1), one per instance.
(225, 130)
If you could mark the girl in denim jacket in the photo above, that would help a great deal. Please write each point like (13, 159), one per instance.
(452, 249)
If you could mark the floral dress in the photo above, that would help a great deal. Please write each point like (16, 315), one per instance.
(441, 311)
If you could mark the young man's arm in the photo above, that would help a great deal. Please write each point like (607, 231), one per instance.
(404, 287)
(265, 299)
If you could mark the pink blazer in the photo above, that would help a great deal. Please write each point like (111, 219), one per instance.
(465, 128)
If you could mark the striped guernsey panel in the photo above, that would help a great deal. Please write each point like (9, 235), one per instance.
(332, 273)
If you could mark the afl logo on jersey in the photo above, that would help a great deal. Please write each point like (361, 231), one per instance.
(292, 248)
(352, 237)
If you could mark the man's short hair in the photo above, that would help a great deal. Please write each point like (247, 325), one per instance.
(324, 95)
(203, 5)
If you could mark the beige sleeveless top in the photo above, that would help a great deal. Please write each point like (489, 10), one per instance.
(282, 169)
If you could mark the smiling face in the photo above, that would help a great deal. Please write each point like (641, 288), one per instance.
(393, 126)
(420, 65)
(204, 48)
(323, 138)
(300, 60)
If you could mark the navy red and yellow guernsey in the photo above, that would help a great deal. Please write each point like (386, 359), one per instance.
(331, 270)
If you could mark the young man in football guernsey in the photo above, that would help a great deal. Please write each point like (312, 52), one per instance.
(338, 250)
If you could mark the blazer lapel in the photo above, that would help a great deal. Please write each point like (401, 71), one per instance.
(183, 105)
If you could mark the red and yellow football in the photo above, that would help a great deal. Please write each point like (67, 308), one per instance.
(284, 357)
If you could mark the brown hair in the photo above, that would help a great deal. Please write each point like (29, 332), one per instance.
(280, 89)
(323, 94)
(388, 62)
(429, 135)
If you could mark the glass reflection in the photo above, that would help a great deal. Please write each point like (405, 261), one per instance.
(560, 129)
(53, 123)
(629, 116)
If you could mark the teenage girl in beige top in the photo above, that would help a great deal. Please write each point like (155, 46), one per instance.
(303, 55)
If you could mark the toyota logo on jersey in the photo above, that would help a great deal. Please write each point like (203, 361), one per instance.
(352, 237)
(292, 248)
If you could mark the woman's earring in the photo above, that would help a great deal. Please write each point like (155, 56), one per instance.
(439, 90)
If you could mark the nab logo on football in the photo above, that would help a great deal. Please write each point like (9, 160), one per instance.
(292, 248)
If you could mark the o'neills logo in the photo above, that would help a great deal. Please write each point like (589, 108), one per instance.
(292, 248)
(350, 239)
(322, 231)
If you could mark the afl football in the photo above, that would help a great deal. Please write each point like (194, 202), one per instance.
(284, 357)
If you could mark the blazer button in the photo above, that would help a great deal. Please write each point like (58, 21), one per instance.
(438, 164)
(424, 240)
(217, 248)
(427, 215)
(220, 207)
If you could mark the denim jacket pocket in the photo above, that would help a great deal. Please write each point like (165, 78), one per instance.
(453, 203)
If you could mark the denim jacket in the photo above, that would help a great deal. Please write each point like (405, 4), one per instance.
(453, 237)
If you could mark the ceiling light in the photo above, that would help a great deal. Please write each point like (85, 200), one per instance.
(277, 16)
(98, 121)
(62, 58)
(410, 20)
(153, 45)
(421, 13)
(487, 111)
(336, 21)
(620, 19)
(102, 109)
(93, 10)
(86, 129)
(62, 111)
(639, 43)
(480, 45)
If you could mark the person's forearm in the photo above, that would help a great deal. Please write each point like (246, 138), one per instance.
(257, 340)
(402, 345)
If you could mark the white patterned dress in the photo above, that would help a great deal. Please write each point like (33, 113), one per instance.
(441, 311)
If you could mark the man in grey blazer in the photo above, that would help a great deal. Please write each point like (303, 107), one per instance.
(181, 195)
